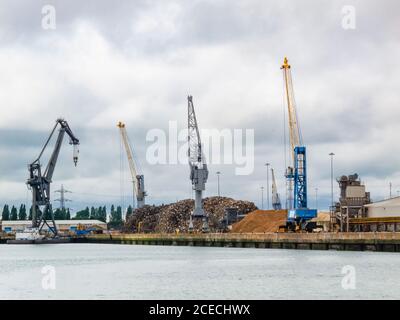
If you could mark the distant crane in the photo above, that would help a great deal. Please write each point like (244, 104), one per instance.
(296, 173)
(276, 200)
(198, 167)
(40, 184)
(137, 179)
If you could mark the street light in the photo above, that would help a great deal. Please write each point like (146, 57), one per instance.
(218, 174)
(316, 198)
(262, 198)
(267, 165)
(332, 154)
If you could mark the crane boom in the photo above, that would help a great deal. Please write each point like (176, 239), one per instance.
(137, 179)
(294, 128)
(198, 167)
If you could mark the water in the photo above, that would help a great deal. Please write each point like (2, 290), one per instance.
(102, 271)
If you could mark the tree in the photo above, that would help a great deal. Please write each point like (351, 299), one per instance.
(22, 212)
(83, 214)
(14, 213)
(112, 211)
(93, 213)
(103, 214)
(6, 213)
(60, 214)
(129, 212)
(68, 215)
(47, 213)
(116, 218)
(30, 213)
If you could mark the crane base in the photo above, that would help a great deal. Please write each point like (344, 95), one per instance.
(205, 227)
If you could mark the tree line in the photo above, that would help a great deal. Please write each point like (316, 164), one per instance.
(115, 218)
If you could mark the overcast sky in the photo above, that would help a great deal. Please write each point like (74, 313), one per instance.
(136, 61)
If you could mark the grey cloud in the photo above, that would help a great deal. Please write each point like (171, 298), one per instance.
(227, 54)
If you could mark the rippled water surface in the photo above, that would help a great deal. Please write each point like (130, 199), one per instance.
(102, 271)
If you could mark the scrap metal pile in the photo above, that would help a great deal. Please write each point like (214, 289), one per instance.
(175, 217)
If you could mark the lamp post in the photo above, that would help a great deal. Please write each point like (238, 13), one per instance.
(316, 198)
(331, 208)
(262, 198)
(331, 154)
(267, 165)
(218, 174)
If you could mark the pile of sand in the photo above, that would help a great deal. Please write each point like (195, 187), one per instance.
(261, 221)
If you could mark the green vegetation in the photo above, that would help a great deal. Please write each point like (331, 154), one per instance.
(6, 213)
(14, 213)
(22, 212)
(116, 220)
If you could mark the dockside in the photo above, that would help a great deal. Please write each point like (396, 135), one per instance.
(362, 241)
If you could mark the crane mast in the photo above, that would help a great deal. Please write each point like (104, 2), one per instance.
(40, 183)
(276, 201)
(198, 167)
(137, 179)
(296, 173)
(295, 138)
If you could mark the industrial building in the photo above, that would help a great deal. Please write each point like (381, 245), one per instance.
(385, 208)
(11, 226)
(381, 216)
(352, 202)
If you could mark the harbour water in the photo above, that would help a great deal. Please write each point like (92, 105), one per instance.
(106, 271)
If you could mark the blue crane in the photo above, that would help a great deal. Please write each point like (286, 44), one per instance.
(296, 174)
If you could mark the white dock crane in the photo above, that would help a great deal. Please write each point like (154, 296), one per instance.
(198, 167)
(137, 179)
(276, 200)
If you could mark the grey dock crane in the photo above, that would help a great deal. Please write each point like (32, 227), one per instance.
(40, 183)
(276, 200)
(198, 167)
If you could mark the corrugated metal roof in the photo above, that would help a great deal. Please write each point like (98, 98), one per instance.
(393, 202)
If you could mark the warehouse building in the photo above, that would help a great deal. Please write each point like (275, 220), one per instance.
(381, 216)
(385, 208)
(10, 226)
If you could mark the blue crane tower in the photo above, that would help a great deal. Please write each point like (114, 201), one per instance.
(296, 174)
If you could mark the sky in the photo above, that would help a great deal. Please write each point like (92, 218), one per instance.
(97, 62)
